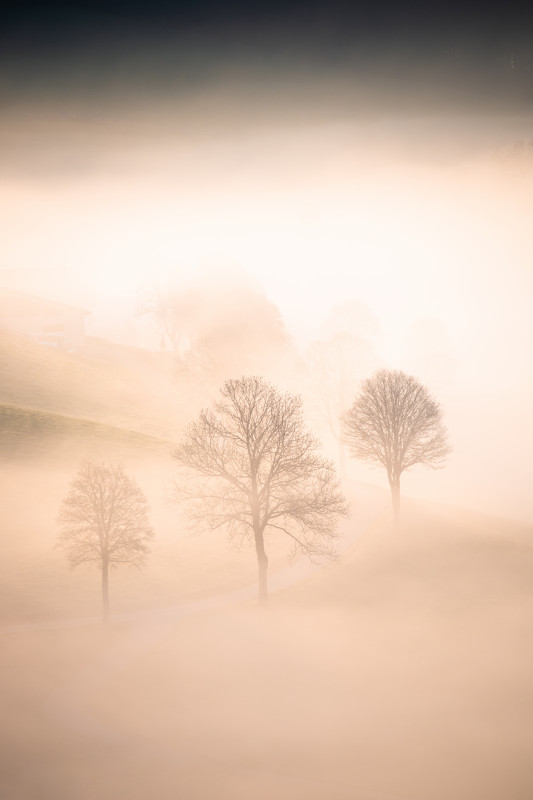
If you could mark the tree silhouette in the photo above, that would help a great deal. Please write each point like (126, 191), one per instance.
(104, 519)
(219, 329)
(395, 423)
(175, 315)
(249, 465)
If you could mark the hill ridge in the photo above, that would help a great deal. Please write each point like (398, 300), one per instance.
(29, 431)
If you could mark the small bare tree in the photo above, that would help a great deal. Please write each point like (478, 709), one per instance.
(395, 423)
(249, 465)
(104, 519)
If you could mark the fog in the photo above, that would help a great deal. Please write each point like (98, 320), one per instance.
(421, 216)
(192, 199)
(375, 681)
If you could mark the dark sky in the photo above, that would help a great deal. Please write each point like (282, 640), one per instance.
(49, 24)
(87, 46)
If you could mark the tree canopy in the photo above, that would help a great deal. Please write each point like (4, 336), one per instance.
(249, 465)
(216, 330)
(395, 423)
(104, 519)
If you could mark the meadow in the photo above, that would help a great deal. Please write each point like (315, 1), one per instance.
(401, 671)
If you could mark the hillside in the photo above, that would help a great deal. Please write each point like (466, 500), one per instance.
(40, 452)
(117, 385)
(442, 559)
(30, 434)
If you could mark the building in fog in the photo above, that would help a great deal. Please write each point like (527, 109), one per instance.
(45, 321)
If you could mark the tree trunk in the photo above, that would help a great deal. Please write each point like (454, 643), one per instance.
(395, 490)
(105, 591)
(262, 561)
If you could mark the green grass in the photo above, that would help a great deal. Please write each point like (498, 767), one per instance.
(28, 433)
(122, 386)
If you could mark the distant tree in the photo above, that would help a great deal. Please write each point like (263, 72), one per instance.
(249, 465)
(173, 314)
(241, 330)
(335, 368)
(104, 519)
(354, 318)
(219, 328)
(395, 423)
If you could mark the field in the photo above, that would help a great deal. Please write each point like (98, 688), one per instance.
(399, 672)
(402, 672)
(37, 585)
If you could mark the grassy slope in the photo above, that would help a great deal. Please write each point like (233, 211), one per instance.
(27, 433)
(40, 449)
(39, 454)
(122, 386)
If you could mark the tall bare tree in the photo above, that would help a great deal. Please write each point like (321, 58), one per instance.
(104, 519)
(395, 423)
(249, 465)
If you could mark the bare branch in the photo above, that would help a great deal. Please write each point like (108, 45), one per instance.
(249, 465)
(104, 518)
(395, 423)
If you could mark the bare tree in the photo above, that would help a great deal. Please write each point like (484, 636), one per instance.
(104, 519)
(249, 465)
(173, 314)
(217, 330)
(395, 423)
